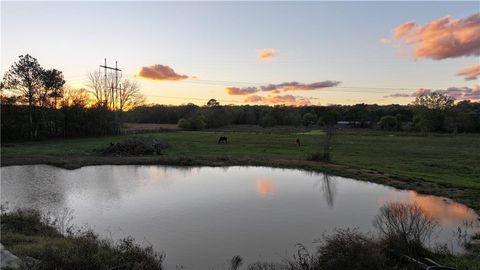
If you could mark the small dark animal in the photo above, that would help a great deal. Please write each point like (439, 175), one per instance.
(222, 139)
(298, 141)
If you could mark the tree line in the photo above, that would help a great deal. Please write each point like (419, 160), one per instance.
(429, 113)
(36, 104)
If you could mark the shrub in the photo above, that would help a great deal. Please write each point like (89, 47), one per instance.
(389, 123)
(405, 227)
(28, 235)
(349, 249)
(184, 123)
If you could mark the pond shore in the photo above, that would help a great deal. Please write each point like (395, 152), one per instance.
(435, 165)
(465, 196)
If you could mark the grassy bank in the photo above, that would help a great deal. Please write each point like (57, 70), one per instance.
(437, 164)
(37, 241)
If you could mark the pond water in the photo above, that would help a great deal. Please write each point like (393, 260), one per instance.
(202, 216)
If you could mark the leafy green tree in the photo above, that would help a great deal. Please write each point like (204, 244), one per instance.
(213, 102)
(26, 78)
(309, 119)
(53, 83)
(389, 123)
(431, 111)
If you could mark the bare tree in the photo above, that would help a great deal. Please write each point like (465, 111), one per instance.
(101, 88)
(405, 226)
(76, 97)
(129, 95)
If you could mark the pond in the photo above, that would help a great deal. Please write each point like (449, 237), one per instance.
(202, 216)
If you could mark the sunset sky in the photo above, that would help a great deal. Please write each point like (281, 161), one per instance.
(257, 53)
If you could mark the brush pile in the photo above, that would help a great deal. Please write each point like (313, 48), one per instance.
(136, 146)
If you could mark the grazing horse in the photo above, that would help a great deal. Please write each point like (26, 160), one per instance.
(222, 139)
(298, 141)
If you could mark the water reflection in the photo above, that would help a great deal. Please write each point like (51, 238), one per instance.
(445, 210)
(264, 186)
(328, 188)
(180, 209)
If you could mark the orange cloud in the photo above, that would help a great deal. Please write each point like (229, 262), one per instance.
(442, 38)
(266, 54)
(470, 73)
(289, 100)
(457, 93)
(276, 88)
(161, 73)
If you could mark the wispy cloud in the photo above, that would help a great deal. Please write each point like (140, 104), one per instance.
(470, 73)
(442, 38)
(457, 93)
(276, 100)
(161, 73)
(266, 54)
(277, 88)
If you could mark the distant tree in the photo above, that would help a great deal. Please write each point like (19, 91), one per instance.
(53, 87)
(212, 103)
(431, 111)
(309, 119)
(267, 121)
(435, 101)
(389, 123)
(26, 78)
(77, 97)
(101, 89)
(129, 95)
(184, 123)
(197, 122)
(329, 121)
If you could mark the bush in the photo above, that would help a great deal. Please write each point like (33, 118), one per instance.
(389, 123)
(405, 227)
(349, 249)
(184, 123)
(197, 122)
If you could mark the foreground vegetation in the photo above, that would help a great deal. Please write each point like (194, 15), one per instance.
(36, 239)
(439, 164)
(43, 242)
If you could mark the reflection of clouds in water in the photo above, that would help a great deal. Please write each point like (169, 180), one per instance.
(163, 175)
(446, 211)
(264, 186)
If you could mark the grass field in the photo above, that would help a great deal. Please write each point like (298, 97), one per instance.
(444, 165)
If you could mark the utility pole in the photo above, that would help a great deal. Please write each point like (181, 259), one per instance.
(114, 93)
